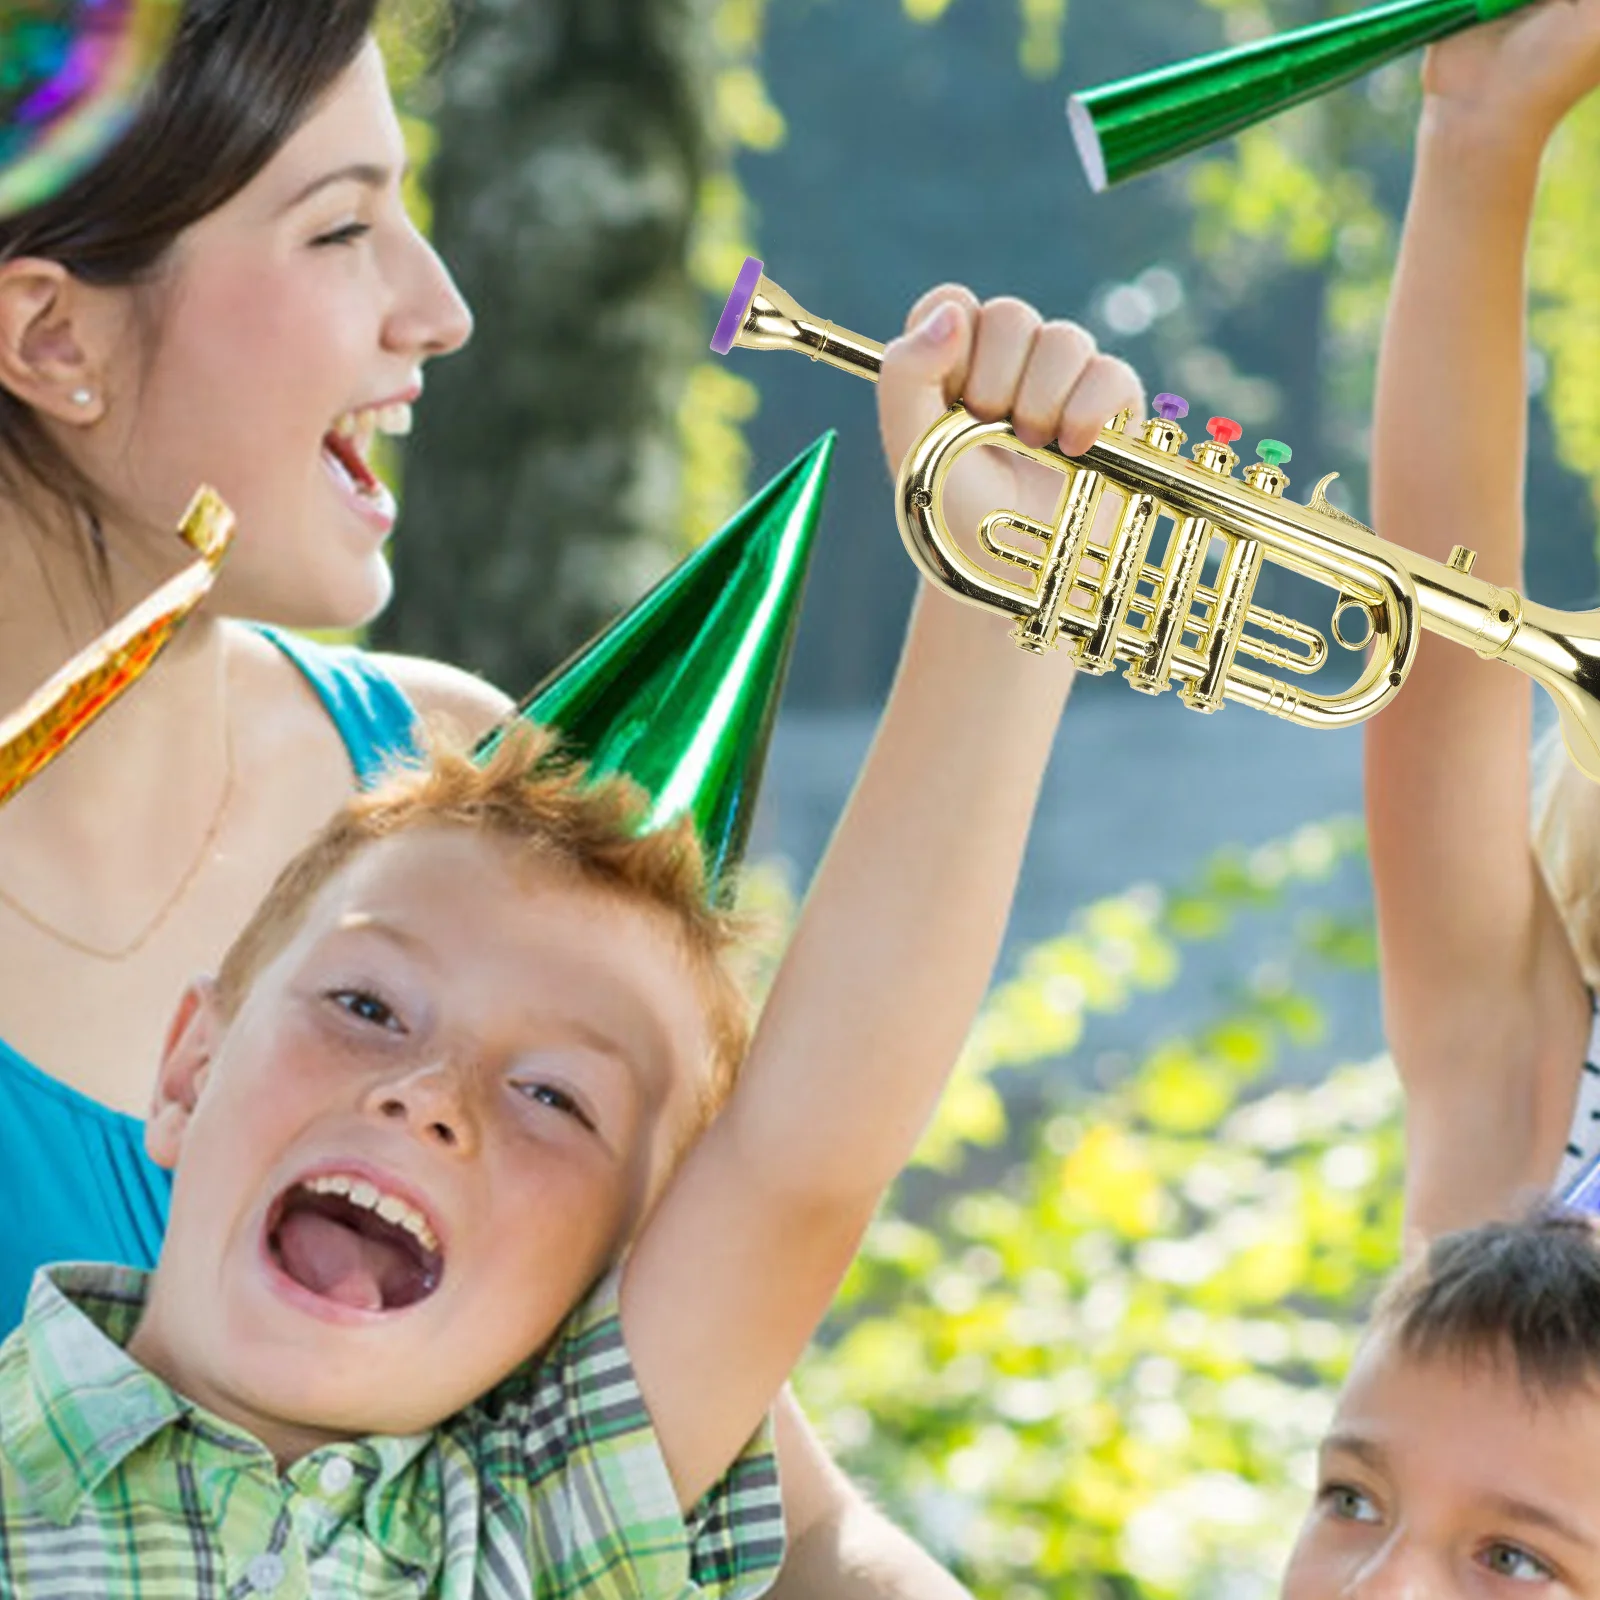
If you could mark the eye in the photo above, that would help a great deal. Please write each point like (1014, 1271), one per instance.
(1512, 1561)
(547, 1094)
(366, 1007)
(345, 235)
(1348, 1503)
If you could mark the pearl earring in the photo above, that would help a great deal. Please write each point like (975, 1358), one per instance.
(82, 397)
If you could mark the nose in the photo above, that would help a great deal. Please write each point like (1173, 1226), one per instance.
(429, 317)
(432, 1104)
(1396, 1570)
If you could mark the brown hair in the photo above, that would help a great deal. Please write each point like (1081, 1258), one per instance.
(240, 77)
(549, 808)
(1528, 1290)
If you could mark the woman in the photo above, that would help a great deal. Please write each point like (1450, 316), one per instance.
(1489, 954)
(234, 295)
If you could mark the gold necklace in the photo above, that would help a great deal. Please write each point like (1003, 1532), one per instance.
(173, 900)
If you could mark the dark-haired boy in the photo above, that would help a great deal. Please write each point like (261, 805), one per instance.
(1461, 1462)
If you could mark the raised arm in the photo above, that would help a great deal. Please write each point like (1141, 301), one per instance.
(1484, 1005)
(840, 1547)
(894, 948)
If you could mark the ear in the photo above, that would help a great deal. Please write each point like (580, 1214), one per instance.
(192, 1040)
(52, 340)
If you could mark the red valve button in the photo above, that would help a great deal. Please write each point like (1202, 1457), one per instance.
(1223, 429)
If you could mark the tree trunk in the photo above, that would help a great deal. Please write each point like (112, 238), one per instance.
(541, 487)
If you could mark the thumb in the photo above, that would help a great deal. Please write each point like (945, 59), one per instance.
(922, 371)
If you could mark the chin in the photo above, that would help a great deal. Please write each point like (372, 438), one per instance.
(334, 601)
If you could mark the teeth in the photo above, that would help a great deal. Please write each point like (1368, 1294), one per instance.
(361, 425)
(390, 1207)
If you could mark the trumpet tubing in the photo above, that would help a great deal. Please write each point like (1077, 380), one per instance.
(1113, 602)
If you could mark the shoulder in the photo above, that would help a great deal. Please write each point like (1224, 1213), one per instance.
(440, 691)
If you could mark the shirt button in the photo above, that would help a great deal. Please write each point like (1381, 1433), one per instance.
(265, 1572)
(336, 1475)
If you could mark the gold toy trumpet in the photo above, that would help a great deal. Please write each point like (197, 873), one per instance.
(1111, 602)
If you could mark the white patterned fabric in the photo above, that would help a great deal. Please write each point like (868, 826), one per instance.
(1583, 1138)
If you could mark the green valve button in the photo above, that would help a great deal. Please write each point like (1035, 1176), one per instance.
(1274, 452)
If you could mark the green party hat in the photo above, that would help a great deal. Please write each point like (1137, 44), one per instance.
(1127, 128)
(681, 691)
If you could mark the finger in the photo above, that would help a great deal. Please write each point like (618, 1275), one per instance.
(936, 297)
(1002, 343)
(1061, 353)
(921, 369)
(960, 295)
(1106, 387)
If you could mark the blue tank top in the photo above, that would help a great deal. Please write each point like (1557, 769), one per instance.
(75, 1182)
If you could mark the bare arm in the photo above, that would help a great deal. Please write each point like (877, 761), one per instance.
(890, 959)
(840, 1546)
(460, 701)
(1484, 1004)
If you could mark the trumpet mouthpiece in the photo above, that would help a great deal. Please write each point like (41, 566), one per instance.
(733, 314)
(761, 316)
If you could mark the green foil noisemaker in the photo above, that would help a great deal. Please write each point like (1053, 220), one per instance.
(1128, 128)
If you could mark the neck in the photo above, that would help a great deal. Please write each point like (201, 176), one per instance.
(63, 582)
(288, 1441)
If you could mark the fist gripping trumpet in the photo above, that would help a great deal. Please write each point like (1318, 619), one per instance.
(1110, 603)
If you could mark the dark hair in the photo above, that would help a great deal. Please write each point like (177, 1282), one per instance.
(1526, 1290)
(239, 78)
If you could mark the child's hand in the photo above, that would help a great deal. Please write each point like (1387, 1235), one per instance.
(1001, 361)
(1518, 77)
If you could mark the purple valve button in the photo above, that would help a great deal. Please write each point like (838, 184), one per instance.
(1171, 407)
(732, 319)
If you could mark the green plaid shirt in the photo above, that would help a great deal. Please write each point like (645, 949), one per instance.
(550, 1486)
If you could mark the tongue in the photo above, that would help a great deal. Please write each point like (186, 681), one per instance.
(333, 1260)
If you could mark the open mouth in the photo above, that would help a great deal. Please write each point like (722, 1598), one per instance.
(344, 1240)
(347, 446)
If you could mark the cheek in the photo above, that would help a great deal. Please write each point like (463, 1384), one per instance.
(255, 353)
(1310, 1573)
(555, 1205)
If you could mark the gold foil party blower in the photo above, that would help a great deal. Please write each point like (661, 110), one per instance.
(1161, 618)
(60, 709)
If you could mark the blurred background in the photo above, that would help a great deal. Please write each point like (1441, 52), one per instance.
(1092, 1339)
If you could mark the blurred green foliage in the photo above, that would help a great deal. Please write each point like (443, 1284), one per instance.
(1092, 1339)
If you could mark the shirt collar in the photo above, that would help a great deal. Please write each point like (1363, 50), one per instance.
(73, 1404)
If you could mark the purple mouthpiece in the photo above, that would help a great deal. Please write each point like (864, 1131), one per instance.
(1171, 407)
(732, 320)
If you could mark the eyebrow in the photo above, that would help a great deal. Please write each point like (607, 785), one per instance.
(367, 922)
(596, 1039)
(1352, 1444)
(367, 173)
(1539, 1517)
